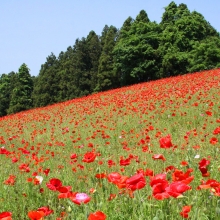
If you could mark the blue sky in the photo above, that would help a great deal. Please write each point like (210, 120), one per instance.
(32, 29)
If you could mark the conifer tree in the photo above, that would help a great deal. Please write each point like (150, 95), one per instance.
(135, 56)
(5, 92)
(20, 98)
(47, 83)
(106, 75)
(182, 30)
(94, 51)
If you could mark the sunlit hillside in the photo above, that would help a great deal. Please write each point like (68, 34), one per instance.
(147, 151)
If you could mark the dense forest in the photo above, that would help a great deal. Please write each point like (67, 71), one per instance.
(141, 50)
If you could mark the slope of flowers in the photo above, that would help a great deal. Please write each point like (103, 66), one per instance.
(141, 152)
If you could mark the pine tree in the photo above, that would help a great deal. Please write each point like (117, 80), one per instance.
(182, 30)
(135, 54)
(169, 15)
(142, 17)
(5, 93)
(82, 78)
(20, 98)
(94, 51)
(106, 75)
(205, 55)
(46, 87)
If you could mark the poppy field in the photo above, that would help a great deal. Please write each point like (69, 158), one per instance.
(147, 151)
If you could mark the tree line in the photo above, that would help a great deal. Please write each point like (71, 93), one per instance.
(141, 50)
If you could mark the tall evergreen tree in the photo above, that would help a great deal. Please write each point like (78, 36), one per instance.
(181, 31)
(135, 54)
(66, 72)
(205, 55)
(82, 78)
(106, 74)
(5, 93)
(142, 17)
(46, 87)
(103, 35)
(20, 98)
(94, 51)
(123, 32)
(169, 16)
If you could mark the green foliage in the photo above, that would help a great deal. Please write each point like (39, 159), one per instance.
(67, 85)
(169, 14)
(182, 34)
(205, 55)
(94, 52)
(20, 97)
(4, 94)
(123, 32)
(106, 75)
(142, 17)
(46, 85)
(135, 53)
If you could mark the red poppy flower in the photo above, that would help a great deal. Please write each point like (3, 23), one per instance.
(184, 163)
(111, 163)
(211, 183)
(65, 192)
(54, 184)
(36, 215)
(159, 185)
(90, 144)
(185, 211)
(92, 190)
(203, 167)
(112, 196)
(24, 167)
(169, 168)
(5, 216)
(14, 160)
(213, 140)
(159, 190)
(217, 131)
(136, 182)
(179, 175)
(89, 157)
(73, 156)
(158, 157)
(97, 216)
(208, 113)
(4, 151)
(154, 180)
(122, 182)
(80, 198)
(165, 142)
(124, 162)
(149, 172)
(217, 191)
(176, 189)
(47, 211)
(100, 175)
(46, 171)
(10, 180)
(114, 177)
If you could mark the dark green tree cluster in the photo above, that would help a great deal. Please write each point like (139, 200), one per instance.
(72, 74)
(183, 35)
(16, 91)
(141, 50)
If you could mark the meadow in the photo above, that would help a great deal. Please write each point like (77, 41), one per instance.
(147, 151)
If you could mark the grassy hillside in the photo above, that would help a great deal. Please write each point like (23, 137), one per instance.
(148, 151)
